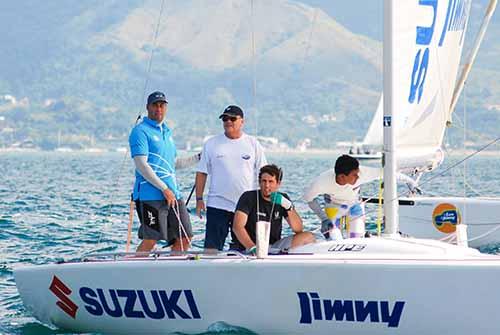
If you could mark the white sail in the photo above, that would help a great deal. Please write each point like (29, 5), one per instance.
(429, 68)
(429, 37)
(374, 134)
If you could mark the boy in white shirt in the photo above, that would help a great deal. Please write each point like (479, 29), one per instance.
(340, 190)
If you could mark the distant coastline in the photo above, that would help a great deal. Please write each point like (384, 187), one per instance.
(285, 152)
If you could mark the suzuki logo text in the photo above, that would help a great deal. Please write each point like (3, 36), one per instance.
(153, 304)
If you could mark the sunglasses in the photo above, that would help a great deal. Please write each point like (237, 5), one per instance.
(227, 118)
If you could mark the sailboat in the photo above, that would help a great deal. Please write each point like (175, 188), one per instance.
(60, 148)
(372, 143)
(427, 107)
(376, 285)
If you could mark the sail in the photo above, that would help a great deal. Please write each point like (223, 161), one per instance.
(429, 37)
(374, 134)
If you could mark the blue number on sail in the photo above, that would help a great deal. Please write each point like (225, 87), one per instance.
(418, 75)
(421, 63)
(424, 34)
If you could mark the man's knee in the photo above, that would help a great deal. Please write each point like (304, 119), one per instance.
(302, 239)
(308, 237)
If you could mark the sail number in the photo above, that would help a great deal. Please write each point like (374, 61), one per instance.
(456, 19)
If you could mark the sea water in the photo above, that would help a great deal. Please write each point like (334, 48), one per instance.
(56, 206)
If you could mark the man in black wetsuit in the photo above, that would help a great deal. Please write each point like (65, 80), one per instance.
(273, 207)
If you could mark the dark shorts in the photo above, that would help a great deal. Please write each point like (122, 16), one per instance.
(159, 221)
(218, 223)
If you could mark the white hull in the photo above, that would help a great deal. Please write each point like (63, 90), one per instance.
(351, 287)
(420, 218)
(362, 157)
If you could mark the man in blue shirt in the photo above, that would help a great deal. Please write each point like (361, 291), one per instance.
(158, 200)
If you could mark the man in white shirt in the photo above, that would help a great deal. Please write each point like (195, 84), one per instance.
(340, 191)
(232, 160)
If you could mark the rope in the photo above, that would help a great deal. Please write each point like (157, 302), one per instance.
(485, 234)
(484, 147)
(254, 93)
(148, 72)
(109, 214)
(465, 147)
(473, 189)
(380, 209)
(182, 230)
(121, 169)
(280, 176)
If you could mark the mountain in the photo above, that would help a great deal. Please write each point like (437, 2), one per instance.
(81, 68)
(85, 64)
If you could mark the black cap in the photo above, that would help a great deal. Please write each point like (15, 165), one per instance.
(156, 96)
(232, 110)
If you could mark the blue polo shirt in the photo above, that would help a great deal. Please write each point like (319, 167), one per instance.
(154, 140)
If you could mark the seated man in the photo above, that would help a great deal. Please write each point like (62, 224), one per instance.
(272, 207)
(340, 190)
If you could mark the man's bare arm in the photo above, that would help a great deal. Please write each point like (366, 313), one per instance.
(200, 181)
(185, 162)
(239, 223)
(295, 221)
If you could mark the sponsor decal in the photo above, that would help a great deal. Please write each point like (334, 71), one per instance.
(347, 247)
(63, 292)
(150, 216)
(153, 304)
(152, 219)
(140, 304)
(315, 309)
(445, 218)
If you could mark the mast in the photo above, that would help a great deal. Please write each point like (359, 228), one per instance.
(389, 157)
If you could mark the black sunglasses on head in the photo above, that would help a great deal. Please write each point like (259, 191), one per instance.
(227, 118)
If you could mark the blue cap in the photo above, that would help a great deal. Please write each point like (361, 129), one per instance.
(157, 96)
